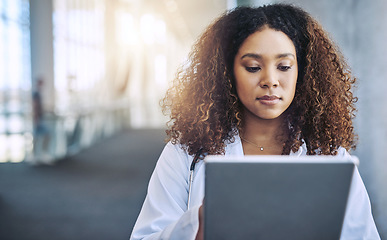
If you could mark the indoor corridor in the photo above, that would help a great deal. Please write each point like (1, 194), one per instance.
(81, 126)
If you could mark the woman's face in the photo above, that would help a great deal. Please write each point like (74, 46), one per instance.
(265, 69)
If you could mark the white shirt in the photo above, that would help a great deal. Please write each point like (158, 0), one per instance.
(164, 214)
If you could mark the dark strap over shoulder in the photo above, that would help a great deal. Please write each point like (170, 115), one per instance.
(196, 159)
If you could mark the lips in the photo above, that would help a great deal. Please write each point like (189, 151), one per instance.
(269, 100)
(266, 97)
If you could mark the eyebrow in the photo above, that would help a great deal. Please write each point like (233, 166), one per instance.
(258, 56)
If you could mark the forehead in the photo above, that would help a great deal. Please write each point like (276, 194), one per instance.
(267, 42)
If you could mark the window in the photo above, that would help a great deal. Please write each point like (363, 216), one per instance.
(79, 60)
(15, 80)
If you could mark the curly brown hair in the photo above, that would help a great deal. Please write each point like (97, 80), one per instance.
(206, 112)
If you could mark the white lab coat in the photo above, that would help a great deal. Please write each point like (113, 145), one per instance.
(164, 214)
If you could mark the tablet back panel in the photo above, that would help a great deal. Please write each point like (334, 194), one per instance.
(276, 200)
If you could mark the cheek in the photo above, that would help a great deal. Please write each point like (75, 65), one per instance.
(239, 89)
(243, 87)
(240, 81)
(292, 82)
(292, 89)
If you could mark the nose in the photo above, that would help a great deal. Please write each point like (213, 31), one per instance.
(268, 79)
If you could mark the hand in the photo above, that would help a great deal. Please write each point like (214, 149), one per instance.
(200, 235)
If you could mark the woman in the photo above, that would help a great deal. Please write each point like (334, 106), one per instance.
(262, 81)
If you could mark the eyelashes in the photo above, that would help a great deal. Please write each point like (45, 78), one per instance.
(282, 68)
(253, 69)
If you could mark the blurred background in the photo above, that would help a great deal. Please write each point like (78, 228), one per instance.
(80, 123)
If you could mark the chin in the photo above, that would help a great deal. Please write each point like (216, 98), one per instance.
(270, 116)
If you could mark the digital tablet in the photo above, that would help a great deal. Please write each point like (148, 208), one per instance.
(276, 197)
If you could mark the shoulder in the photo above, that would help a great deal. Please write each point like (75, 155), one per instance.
(342, 152)
(174, 156)
(175, 150)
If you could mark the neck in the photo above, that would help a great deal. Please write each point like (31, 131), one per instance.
(258, 129)
(262, 136)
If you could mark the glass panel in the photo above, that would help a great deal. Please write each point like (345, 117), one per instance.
(78, 51)
(3, 148)
(16, 148)
(15, 124)
(15, 78)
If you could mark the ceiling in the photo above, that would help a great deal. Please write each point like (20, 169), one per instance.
(198, 14)
(188, 18)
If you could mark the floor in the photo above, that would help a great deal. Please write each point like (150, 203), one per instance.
(96, 194)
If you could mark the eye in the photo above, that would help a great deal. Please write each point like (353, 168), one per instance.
(253, 69)
(284, 68)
